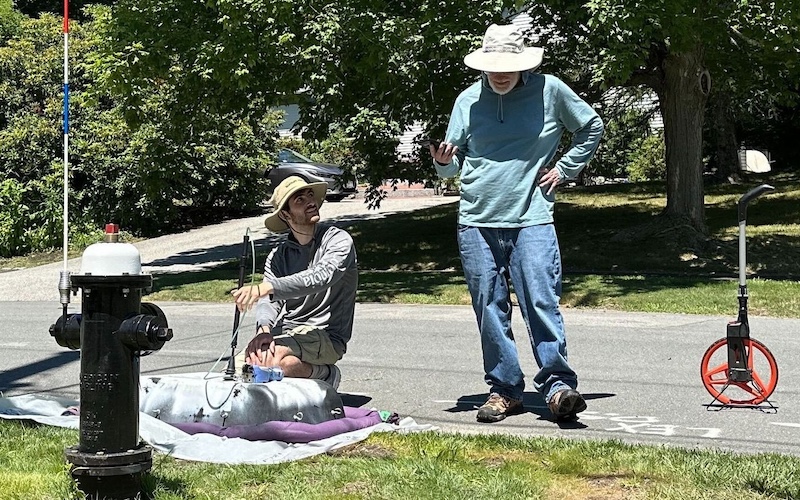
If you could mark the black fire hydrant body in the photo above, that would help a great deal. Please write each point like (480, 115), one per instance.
(113, 330)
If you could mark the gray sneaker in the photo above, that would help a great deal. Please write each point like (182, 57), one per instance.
(334, 377)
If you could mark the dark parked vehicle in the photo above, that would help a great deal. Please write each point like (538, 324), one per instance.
(291, 162)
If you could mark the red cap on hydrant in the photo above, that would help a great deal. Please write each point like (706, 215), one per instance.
(112, 228)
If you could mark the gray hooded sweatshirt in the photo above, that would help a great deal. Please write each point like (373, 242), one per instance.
(314, 285)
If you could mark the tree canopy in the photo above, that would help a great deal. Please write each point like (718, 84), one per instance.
(367, 68)
(179, 164)
(683, 50)
(176, 97)
(372, 68)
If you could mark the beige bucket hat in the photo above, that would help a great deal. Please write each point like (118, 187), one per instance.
(504, 51)
(283, 192)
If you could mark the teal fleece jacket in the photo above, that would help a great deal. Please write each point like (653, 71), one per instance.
(507, 142)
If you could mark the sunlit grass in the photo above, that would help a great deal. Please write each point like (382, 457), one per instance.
(426, 465)
(668, 294)
(681, 295)
(32, 461)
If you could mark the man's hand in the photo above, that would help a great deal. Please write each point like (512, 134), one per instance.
(550, 180)
(444, 153)
(249, 295)
(256, 351)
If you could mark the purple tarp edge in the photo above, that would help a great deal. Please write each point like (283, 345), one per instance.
(289, 432)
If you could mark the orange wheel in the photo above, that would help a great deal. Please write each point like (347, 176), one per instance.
(714, 372)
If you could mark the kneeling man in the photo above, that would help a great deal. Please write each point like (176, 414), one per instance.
(306, 302)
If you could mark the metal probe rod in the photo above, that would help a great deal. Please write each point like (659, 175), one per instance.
(64, 285)
(230, 371)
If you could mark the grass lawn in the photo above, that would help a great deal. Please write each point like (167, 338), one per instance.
(425, 466)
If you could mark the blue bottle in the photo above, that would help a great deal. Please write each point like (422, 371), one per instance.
(267, 373)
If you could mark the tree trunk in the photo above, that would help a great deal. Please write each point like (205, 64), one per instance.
(683, 100)
(722, 138)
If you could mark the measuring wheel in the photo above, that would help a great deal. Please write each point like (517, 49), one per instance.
(761, 366)
(738, 370)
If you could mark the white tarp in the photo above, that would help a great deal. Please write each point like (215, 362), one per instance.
(198, 447)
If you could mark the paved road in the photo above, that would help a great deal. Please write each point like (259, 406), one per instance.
(203, 247)
(639, 372)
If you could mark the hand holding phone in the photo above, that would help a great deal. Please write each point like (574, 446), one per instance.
(428, 142)
(442, 156)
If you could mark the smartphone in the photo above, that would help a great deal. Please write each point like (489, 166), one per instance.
(428, 142)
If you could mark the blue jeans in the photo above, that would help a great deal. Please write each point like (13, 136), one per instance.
(531, 258)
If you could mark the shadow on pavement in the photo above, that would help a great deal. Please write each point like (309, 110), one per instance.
(531, 401)
(205, 258)
(212, 256)
(11, 379)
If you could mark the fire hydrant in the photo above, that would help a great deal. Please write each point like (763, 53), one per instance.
(113, 330)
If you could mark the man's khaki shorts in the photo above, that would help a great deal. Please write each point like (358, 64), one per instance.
(310, 344)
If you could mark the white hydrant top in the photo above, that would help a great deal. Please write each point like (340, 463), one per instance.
(111, 258)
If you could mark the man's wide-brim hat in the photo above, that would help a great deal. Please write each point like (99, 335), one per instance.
(504, 51)
(283, 192)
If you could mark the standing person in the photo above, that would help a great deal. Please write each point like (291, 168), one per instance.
(503, 135)
(306, 302)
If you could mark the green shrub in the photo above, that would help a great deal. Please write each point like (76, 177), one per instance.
(46, 220)
(82, 234)
(31, 137)
(647, 159)
(31, 215)
(10, 20)
(159, 166)
(623, 135)
(13, 218)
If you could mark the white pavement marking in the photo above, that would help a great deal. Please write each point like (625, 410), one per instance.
(629, 424)
(638, 424)
(785, 424)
